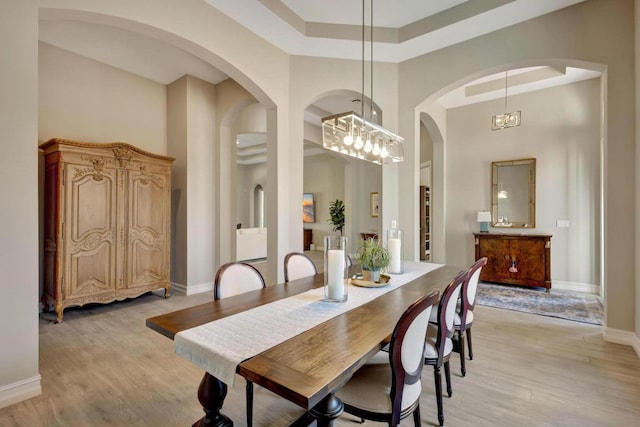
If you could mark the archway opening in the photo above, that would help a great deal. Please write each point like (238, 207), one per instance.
(563, 128)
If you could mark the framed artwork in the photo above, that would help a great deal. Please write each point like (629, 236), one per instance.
(375, 204)
(308, 208)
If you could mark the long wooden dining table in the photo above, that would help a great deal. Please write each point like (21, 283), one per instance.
(308, 368)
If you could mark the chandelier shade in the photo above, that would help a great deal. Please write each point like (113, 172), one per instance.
(352, 135)
(506, 120)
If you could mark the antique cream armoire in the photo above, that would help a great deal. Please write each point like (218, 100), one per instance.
(107, 223)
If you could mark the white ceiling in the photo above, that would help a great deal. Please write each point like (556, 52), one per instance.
(126, 50)
(394, 14)
(410, 27)
(320, 28)
(519, 81)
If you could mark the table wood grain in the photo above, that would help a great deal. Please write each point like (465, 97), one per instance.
(171, 323)
(308, 367)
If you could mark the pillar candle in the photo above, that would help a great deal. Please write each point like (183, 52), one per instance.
(395, 249)
(335, 264)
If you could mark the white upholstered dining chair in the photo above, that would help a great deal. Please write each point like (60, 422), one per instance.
(297, 265)
(388, 388)
(464, 316)
(439, 343)
(236, 278)
(232, 279)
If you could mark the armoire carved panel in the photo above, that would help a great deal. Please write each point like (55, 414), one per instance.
(107, 223)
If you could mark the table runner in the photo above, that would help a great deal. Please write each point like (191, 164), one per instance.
(219, 346)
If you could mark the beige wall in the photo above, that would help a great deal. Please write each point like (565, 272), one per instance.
(19, 378)
(248, 177)
(201, 142)
(595, 32)
(315, 78)
(362, 179)
(355, 180)
(259, 67)
(192, 141)
(231, 101)
(324, 177)
(433, 118)
(561, 131)
(85, 100)
(177, 148)
(253, 119)
(426, 145)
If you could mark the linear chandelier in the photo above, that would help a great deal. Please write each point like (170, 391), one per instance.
(505, 120)
(355, 135)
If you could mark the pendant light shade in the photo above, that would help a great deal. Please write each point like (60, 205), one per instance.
(350, 134)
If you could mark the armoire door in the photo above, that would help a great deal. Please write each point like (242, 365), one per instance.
(88, 231)
(148, 200)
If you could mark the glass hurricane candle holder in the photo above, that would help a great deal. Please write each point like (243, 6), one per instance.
(336, 268)
(394, 244)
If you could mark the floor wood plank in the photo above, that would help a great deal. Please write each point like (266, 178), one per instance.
(103, 367)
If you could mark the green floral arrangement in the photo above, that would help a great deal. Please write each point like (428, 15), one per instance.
(374, 256)
(336, 212)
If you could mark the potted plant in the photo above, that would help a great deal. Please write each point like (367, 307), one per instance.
(336, 211)
(373, 258)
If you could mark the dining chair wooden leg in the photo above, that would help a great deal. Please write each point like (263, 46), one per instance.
(249, 403)
(463, 366)
(468, 334)
(416, 417)
(447, 376)
(437, 377)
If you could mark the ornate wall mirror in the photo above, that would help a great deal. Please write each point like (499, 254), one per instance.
(513, 193)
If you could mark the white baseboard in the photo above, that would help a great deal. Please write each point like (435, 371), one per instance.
(19, 391)
(178, 287)
(193, 289)
(618, 336)
(575, 287)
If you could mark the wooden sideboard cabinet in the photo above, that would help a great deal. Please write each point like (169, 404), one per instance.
(518, 259)
(308, 238)
(107, 223)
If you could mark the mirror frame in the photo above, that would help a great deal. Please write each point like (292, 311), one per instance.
(495, 168)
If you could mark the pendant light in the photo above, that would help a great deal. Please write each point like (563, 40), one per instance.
(356, 135)
(505, 120)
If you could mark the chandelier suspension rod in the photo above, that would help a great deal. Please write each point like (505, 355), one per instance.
(371, 63)
(362, 94)
(506, 86)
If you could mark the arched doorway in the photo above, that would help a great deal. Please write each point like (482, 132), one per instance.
(569, 171)
(330, 175)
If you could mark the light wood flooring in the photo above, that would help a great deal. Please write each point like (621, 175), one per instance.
(103, 367)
